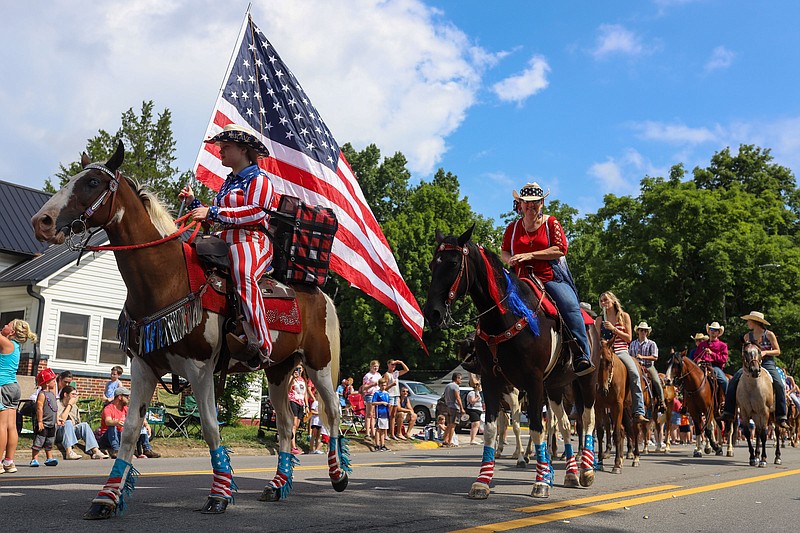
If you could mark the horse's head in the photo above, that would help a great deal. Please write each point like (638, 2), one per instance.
(82, 203)
(674, 368)
(450, 278)
(751, 359)
(605, 372)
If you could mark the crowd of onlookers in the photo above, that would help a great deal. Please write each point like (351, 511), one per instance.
(54, 411)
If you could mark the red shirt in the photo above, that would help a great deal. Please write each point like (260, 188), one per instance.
(111, 410)
(518, 241)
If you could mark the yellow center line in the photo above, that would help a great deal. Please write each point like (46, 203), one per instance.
(591, 499)
(611, 506)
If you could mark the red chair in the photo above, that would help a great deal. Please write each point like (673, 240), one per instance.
(353, 416)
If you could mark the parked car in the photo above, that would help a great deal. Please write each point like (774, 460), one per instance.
(463, 424)
(423, 400)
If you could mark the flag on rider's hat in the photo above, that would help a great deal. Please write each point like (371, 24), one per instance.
(305, 161)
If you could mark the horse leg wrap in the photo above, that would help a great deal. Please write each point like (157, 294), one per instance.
(572, 465)
(544, 470)
(223, 485)
(282, 482)
(487, 466)
(587, 459)
(121, 483)
(338, 458)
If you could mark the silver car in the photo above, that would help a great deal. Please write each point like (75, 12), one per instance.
(423, 400)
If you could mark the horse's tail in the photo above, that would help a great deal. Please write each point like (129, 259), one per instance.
(333, 332)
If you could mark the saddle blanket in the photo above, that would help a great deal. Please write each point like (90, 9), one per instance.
(282, 314)
(549, 306)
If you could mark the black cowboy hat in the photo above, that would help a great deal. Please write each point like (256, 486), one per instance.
(234, 133)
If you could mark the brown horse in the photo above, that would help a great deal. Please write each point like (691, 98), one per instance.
(612, 395)
(151, 261)
(518, 344)
(669, 400)
(756, 401)
(699, 398)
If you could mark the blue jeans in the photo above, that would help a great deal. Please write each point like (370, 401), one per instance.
(143, 444)
(722, 379)
(69, 435)
(767, 364)
(570, 309)
(633, 382)
(110, 439)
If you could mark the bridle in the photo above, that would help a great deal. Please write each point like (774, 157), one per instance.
(76, 240)
(610, 374)
(749, 360)
(677, 360)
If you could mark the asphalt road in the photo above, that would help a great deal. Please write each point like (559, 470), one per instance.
(418, 490)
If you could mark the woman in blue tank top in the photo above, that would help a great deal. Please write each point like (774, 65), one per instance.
(12, 335)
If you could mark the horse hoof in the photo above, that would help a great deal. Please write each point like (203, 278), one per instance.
(616, 470)
(753, 462)
(270, 494)
(478, 491)
(778, 461)
(730, 453)
(707, 450)
(571, 481)
(718, 453)
(697, 454)
(521, 463)
(629, 455)
(587, 478)
(100, 511)
(340, 485)
(527, 459)
(635, 462)
(540, 490)
(762, 464)
(215, 506)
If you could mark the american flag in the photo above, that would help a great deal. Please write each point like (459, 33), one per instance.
(305, 161)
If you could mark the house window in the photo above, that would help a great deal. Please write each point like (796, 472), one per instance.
(73, 337)
(8, 316)
(109, 345)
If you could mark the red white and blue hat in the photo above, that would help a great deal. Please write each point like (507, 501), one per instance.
(530, 193)
(234, 133)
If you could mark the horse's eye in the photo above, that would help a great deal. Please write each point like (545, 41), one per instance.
(94, 182)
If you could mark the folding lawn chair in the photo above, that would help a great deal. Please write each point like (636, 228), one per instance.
(353, 415)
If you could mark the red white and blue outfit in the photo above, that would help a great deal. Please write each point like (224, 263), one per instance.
(239, 209)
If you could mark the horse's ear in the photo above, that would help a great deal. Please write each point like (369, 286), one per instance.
(467, 235)
(84, 159)
(439, 237)
(116, 160)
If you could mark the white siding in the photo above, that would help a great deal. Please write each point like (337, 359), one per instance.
(252, 406)
(7, 260)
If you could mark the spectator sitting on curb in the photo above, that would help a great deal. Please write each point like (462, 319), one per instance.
(112, 421)
(70, 428)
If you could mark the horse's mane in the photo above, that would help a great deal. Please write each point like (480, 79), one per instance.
(159, 214)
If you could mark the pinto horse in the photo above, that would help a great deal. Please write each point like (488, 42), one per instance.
(756, 401)
(699, 398)
(517, 345)
(150, 258)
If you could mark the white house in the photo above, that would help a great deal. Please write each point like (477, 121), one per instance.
(72, 303)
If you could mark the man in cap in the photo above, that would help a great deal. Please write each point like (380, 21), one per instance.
(770, 349)
(645, 351)
(697, 338)
(112, 421)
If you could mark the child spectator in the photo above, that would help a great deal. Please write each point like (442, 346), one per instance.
(143, 448)
(686, 429)
(111, 386)
(380, 402)
(44, 423)
(404, 410)
(676, 420)
(369, 386)
(316, 429)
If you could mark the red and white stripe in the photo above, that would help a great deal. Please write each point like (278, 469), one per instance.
(542, 471)
(360, 251)
(587, 459)
(111, 490)
(221, 486)
(487, 472)
(572, 465)
(278, 481)
(334, 470)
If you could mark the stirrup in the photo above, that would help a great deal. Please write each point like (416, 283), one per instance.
(582, 367)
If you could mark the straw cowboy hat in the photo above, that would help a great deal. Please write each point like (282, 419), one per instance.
(530, 193)
(715, 325)
(234, 133)
(699, 337)
(756, 316)
(643, 325)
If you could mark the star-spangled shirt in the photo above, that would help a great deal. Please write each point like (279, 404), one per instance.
(267, 95)
(248, 209)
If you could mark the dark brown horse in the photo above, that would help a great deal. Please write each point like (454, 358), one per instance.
(699, 398)
(151, 261)
(510, 352)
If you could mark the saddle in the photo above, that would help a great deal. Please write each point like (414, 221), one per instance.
(716, 391)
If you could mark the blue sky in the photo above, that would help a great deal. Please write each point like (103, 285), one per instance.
(584, 97)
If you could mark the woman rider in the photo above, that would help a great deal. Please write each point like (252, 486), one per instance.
(768, 342)
(239, 209)
(536, 245)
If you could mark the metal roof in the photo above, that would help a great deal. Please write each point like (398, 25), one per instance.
(19, 205)
(53, 259)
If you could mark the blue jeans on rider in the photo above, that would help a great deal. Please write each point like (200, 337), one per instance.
(570, 309)
(633, 382)
(778, 386)
(110, 439)
(722, 379)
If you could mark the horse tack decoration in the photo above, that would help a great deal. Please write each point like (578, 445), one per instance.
(149, 255)
(459, 267)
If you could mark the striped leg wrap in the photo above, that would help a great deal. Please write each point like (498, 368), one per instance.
(487, 466)
(120, 485)
(587, 459)
(544, 470)
(338, 458)
(222, 486)
(283, 477)
(572, 465)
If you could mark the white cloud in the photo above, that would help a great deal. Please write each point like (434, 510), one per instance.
(527, 83)
(621, 175)
(676, 133)
(391, 73)
(721, 58)
(615, 39)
